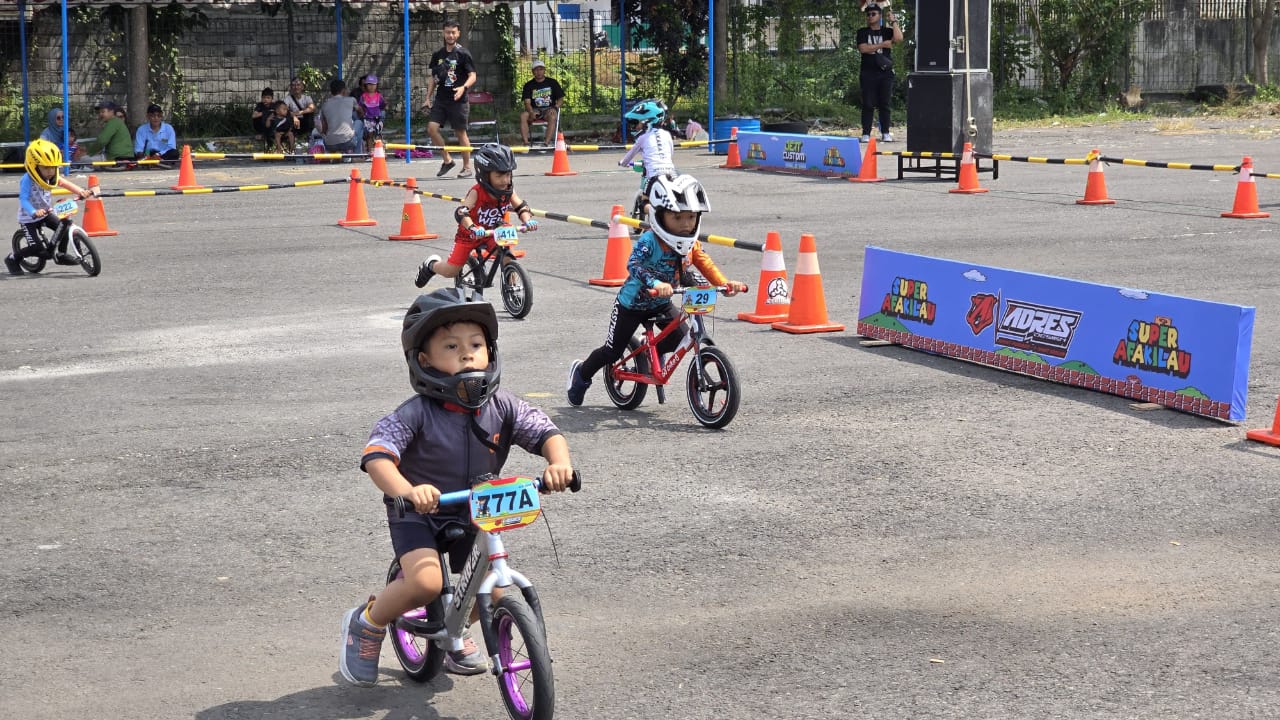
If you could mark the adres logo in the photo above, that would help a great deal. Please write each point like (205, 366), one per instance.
(1035, 328)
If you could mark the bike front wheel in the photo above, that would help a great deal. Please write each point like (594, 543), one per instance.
(31, 263)
(627, 394)
(713, 388)
(80, 242)
(421, 658)
(470, 278)
(517, 290)
(526, 682)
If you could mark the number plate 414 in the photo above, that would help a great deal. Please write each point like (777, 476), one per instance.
(504, 504)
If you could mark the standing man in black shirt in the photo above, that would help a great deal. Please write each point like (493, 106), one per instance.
(876, 74)
(451, 73)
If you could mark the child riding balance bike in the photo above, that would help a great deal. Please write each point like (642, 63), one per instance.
(653, 145)
(36, 210)
(659, 259)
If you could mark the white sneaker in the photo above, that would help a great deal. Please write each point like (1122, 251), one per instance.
(886, 137)
(866, 139)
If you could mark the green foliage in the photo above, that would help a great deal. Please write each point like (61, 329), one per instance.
(1084, 44)
(316, 80)
(1010, 52)
(505, 52)
(676, 28)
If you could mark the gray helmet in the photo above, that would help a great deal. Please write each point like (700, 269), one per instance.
(471, 389)
(493, 158)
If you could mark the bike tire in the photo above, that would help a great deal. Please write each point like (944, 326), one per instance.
(470, 278)
(527, 684)
(628, 395)
(32, 263)
(421, 658)
(715, 401)
(517, 290)
(89, 260)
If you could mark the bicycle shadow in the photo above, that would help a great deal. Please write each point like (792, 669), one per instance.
(398, 697)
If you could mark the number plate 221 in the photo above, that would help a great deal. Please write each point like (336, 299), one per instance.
(504, 504)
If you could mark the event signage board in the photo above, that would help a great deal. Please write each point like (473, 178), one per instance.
(807, 154)
(1186, 354)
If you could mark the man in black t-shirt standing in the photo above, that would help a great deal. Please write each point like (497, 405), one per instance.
(450, 74)
(542, 97)
(876, 73)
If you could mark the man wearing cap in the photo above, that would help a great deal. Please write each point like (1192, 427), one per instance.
(542, 98)
(113, 141)
(156, 140)
(876, 73)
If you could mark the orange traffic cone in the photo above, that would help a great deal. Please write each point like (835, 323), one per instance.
(808, 312)
(616, 253)
(95, 216)
(1270, 437)
(1095, 188)
(186, 173)
(357, 212)
(1246, 205)
(412, 225)
(560, 163)
(773, 300)
(968, 173)
(868, 172)
(378, 171)
(734, 160)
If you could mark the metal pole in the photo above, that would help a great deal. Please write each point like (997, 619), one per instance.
(337, 12)
(711, 68)
(622, 65)
(26, 91)
(66, 79)
(408, 90)
(591, 31)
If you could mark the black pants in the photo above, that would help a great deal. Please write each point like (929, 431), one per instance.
(877, 94)
(35, 246)
(623, 324)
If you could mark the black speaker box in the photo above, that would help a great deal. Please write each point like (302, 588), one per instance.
(941, 41)
(936, 113)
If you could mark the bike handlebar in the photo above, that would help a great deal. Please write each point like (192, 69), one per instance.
(519, 228)
(653, 292)
(459, 497)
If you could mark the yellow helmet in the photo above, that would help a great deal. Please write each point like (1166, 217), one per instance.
(43, 152)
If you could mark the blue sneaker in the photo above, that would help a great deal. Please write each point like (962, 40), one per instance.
(576, 389)
(361, 647)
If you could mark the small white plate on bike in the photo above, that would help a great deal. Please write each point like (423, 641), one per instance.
(65, 207)
(505, 235)
(699, 301)
(504, 504)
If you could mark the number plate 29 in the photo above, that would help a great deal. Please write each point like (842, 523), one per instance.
(505, 235)
(699, 301)
(504, 504)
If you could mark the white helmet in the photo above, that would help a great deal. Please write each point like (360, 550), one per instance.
(677, 193)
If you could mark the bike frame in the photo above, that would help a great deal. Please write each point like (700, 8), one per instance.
(492, 260)
(661, 374)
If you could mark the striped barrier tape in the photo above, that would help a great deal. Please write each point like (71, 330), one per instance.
(200, 191)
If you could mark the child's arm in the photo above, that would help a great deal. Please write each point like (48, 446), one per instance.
(711, 271)
(462, 214)
(387, 477)
(626, 159)
(559, 465)
(66, 184)
(523, 212)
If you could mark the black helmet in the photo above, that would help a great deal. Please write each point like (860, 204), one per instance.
(471, 389)
(493, 158)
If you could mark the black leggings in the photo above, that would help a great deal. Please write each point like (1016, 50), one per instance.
(35, 246)
(623, 323)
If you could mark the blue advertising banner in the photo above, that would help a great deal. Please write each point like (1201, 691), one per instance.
(808, 154)
(1186, 354)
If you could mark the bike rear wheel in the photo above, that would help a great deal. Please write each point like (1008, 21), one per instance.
(470, 278)
(33, 263)
(526, 682)
(626, 394)
(517, 290)
(421, 658)
(80, 242)
(714, 392)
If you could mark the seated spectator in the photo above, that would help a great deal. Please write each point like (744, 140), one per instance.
(338, 121)
(113, 141)
(156, 140)
(542, 98)
(74, 153)
(302, 107)
(372, 107)
(262, 113)
(54, 130)
(280, 128)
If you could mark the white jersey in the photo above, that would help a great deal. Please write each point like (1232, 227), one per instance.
(657, 150)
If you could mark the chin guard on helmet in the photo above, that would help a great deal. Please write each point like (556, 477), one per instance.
(492, 158)
(470, 389)
(42, 153)
(681, 193)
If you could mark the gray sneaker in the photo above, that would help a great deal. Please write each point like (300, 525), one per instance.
(361, 646)
(467, 661)
(576, 388)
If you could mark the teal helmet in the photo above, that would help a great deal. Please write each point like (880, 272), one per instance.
(648, 113)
